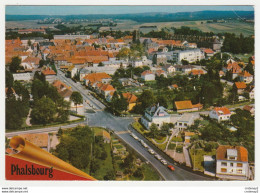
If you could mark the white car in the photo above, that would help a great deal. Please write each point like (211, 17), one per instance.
(134, 136)
(144, 144)
(151, 151)
(164, 162)
(158, 157)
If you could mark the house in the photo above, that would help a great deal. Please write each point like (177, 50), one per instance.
(251, 92)
(220, 113)
(208, 52)
(186, 69)
(161, 72)
(160, 58)
(30, 62)
(148, 75)
(155, 114)
(23, 76)
(191, 55)
(50, 75)
(82, 73)
(174, 86)
(169, 68)
(106, 89)
(185, 121)
(137, 63)
(38, 139)
(97, 77)
(196, 72)
(106, 136)
(246, 77)
(63, 89)
(188, 136)
(232, 162)
(186, 106)
(249, 108)
(240, 86)
(131, 100)
(232, 67)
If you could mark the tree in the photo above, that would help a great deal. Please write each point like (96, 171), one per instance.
(147, 99)
(154, 131)
(138, 173)
(16, 110)
(110, 175)
(8, 79)
(15, 64)
(162, 101)
(29, 42)
(41, 63)
(44, 111)
(60, 132)
(185, 62)
(101, 64)
(77, 98)
(124, 53)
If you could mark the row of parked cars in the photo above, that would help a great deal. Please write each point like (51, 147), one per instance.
(151, 151)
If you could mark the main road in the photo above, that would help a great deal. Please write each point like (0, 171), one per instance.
(120, 126)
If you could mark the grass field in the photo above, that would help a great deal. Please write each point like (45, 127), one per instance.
(125, 25)
(199, 158)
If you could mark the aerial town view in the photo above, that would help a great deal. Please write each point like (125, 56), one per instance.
(134, 93)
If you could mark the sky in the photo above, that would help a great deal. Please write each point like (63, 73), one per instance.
(75, 10)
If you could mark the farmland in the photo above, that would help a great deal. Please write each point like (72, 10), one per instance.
(233, 26)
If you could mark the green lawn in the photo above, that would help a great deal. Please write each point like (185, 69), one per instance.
(149, 173)
(239, 104)
(104, 165)
(199, 158)
(160, 140)
(171, 146)
(137, 126)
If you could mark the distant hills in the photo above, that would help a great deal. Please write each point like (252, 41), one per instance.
(148, 17)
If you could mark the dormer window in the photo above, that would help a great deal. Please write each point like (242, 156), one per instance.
(231, 154)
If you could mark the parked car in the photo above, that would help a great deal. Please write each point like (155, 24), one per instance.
(144, 144)
(134, 136)
(164, 162)
(158, 157)
(151, 151)
(171, 167)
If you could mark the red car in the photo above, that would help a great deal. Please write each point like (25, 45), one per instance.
(171, 167)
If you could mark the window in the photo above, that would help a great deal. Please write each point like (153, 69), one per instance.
(239, 165)
(223, 169)
(231, 164)
(180, 124)
(223, 163)
(185, 124)
(232, 158)
(239, 171)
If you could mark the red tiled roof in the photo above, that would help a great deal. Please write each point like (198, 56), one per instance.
(242, 154)
(197, 72)
(131, 98)
(48, 71)
(180, 105)
(208, 51)
(146, 72)
(96, 77)
(107, 87)
(240, 85)
(246, 74)
(222, 110)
